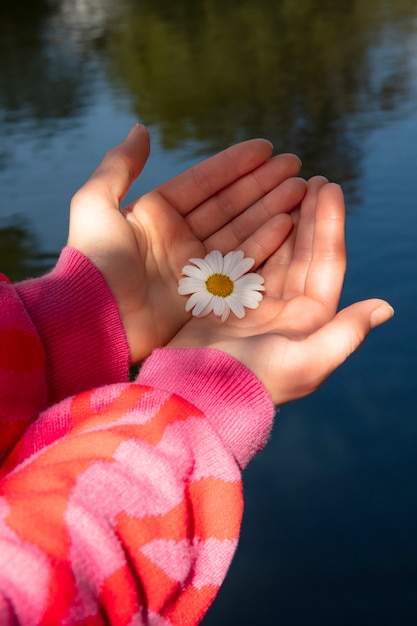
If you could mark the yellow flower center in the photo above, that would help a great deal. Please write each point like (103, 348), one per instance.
(219, 285)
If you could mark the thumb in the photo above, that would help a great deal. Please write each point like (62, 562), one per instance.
(338, 339)
(120, 167)
(123, 163)
(316, 358)
(95, 208)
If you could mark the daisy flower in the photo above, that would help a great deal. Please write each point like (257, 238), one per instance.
(220, 284)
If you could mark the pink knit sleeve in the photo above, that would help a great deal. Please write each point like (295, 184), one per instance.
(23, 391)
(129, 511)
(78, 323)
(231, 397)
(59, 334)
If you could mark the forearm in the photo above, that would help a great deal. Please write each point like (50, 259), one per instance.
(23, 391)
(59, 334)
(233, 399)
(79, 325)
(136, 510)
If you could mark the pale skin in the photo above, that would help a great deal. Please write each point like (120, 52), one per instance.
(296, 338)
(239, 199)
(140, 249)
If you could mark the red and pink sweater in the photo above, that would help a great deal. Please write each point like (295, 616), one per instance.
(120, 503)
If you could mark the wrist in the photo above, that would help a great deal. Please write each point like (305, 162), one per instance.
(230, 396)
(79, 325)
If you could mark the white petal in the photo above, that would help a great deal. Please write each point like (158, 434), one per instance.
(250, 299)
(194, 300)
(204, 304)
(226, 312)
(247, 296)
(218, 306)
(247, 286)
(252, 305)
(258, 278)
(251, 289)
(231, 260)
(205, 267)
(215, 260)
(194, 272)
(240, 268)
(236, 306)
(190, 285)
(237, 255)
(250, 281)
(207, 310)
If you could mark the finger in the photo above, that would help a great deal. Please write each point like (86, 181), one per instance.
(194, 186)
(231, 201)
(115, 174)
(332, 344)
(276, 267)
(239, 232)
(288, 267)
(303, 249)
(328, 263)
(303, 244)
(267, 239)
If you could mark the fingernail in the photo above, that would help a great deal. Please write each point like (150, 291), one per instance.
(381, 314)
(133, 130)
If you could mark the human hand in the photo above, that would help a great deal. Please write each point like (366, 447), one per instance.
(141, 249)
(296, 338)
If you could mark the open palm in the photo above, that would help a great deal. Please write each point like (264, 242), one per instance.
(296, 338)
(236, 199)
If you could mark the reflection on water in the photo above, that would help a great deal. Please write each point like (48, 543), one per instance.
(300, 73)
(313, 77)
(20, 256)
(329, 526)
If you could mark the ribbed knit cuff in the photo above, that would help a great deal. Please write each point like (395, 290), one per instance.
(79, 325)
(233, 399)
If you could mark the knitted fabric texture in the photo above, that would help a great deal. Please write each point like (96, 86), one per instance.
(122, 503)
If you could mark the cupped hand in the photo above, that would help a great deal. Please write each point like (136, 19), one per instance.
(296, 338)
(237, 199)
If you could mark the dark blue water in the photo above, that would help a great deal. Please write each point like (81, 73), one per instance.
(329, 534)
(330, 529)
